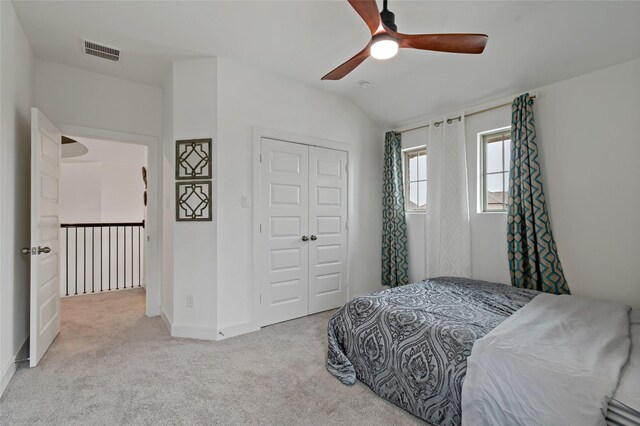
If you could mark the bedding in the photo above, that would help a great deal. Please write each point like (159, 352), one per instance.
(410, 344)
(624, 407)
(557, 361)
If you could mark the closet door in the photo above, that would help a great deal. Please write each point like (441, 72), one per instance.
(328, 229)
(285, 225)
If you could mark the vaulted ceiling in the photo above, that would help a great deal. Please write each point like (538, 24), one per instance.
(531, 44)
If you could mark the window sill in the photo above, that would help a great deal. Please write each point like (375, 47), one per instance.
(415, 212)
(492, 213)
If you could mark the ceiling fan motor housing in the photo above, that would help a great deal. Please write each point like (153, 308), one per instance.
(389, 19)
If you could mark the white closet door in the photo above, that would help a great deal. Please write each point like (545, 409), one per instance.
(285, 220)
(328, 229)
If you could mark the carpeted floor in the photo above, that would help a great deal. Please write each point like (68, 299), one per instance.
(111, 365)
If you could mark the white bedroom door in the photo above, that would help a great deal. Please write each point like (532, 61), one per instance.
(45, 175)
(284, 231)
(327, 229)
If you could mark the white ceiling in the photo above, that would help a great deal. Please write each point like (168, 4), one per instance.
(531, 44)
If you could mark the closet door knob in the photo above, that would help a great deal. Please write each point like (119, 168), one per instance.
(313, 238)
(305, 238)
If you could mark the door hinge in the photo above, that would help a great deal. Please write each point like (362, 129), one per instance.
(346, 225)
(261, 228)
(260, 297)
(261, 158)
(346, 167)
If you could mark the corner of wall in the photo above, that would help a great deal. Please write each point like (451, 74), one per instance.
(189, 248)
(167, 202)
(16, 61)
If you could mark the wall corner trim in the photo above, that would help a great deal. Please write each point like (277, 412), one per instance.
(166, 321)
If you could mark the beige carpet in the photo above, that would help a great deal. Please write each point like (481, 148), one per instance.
(112, 365)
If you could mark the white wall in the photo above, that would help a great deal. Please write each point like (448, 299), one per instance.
(68, 95)
(589, 139)
(16, 71)
(247, 98)
(589, 132)
(101, 192)
(190, 247)
(122, 192)
(81, 192)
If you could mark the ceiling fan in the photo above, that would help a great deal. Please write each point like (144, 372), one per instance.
(385, 40)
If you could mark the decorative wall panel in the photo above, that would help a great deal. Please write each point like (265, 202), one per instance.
(193, 201)
(193, 159)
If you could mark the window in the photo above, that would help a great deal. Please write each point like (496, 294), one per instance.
(415, 180)
(495, 154)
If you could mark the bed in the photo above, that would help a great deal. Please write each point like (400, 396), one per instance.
(624, 407)
(411, 346)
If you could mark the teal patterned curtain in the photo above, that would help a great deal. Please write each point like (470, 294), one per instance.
(394, 226)
(533, 257)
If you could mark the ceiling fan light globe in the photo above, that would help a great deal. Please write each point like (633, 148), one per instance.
(384, 48)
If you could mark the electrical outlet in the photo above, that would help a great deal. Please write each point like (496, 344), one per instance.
(189, 301)
(244, 202)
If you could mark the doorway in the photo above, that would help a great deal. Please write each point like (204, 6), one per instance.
(45, 251)
(151, 246)
(102, 215)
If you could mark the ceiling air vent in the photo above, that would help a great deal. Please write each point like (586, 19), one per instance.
(104, 52)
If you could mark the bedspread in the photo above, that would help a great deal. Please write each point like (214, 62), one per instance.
(410, 344)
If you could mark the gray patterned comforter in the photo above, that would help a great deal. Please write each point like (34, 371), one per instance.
(410, 344)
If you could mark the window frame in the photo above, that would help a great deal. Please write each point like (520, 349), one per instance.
(483, 140)
(407, 179)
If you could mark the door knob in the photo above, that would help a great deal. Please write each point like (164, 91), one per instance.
(43, 250)
(25, 250)
(313, 238)
(305, 238)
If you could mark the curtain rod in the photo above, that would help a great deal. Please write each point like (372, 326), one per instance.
(450, 120)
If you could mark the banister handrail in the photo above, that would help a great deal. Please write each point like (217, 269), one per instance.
(100, 225)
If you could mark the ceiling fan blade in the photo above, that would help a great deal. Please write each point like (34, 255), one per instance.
(453, 43)
(348, 66)
(368, 11)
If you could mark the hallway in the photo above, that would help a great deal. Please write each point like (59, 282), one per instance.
(113, 365)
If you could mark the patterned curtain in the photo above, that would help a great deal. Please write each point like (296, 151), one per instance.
(533, 257)
(394, 226)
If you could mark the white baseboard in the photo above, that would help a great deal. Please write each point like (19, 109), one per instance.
(236, 330)
(206, 333)
(10, 370)
(188, 331)
(194, 332)
(7, 375)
